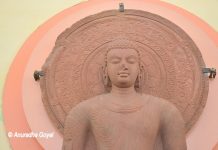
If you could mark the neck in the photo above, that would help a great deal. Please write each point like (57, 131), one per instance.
(123, 92)
(124, 96)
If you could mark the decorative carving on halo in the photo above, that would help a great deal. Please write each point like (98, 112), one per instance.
(172, 63)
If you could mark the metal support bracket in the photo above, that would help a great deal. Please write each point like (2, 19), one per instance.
(210, 71)
(38, 74)
(121, 7)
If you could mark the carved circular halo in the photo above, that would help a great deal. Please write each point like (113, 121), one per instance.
(172, 63)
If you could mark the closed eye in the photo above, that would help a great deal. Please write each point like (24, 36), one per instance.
(115, 60)
(131, 60)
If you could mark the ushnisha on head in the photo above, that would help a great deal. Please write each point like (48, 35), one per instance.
(122, 66)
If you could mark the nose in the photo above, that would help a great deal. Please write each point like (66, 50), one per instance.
(124, 66)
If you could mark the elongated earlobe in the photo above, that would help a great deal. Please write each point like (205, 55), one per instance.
(140, 80)
(105, 76)
(106, 80)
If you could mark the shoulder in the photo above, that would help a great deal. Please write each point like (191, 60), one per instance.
(165, 107)
(169, 113)
(85, 106)
(80, 113)
(160, 102)
(156, 101)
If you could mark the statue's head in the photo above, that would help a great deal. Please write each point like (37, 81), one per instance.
(122, 67)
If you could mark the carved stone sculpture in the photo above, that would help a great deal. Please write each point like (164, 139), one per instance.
(172, 63)
(123, 119)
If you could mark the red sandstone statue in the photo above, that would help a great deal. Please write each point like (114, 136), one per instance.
(124, 118)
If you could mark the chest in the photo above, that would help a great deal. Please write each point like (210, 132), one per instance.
(140, 123)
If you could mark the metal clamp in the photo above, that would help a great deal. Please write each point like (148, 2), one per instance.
(38, 74)
(121, 7)
(210, 71)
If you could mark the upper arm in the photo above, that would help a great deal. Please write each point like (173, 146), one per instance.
(172, 129)
(75, 129)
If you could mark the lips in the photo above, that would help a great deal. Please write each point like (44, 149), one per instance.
(123, 74)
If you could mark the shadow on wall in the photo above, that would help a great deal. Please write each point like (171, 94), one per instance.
(215, 147)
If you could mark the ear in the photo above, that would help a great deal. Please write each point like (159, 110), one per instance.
(137, 81)
(140, 79)
(104, 75)
(105, 78)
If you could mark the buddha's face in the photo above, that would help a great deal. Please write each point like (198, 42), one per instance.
(123, 67)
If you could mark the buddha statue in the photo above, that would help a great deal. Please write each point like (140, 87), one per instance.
(124, 118)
